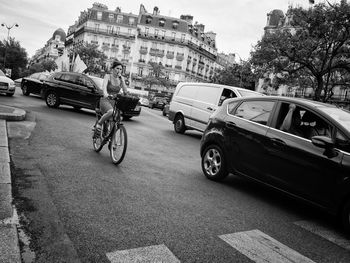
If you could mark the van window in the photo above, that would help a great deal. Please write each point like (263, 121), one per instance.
(249, 93)
(187, 91)
(207, 94)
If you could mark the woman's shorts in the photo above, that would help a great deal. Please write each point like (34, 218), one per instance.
(106, 104)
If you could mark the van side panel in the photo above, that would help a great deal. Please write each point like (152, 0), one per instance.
(182, 102)
(204, 104)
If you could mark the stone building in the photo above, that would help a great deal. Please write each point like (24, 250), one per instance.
(53, 48)
(184, 50)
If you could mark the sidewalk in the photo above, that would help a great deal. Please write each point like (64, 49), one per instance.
(9, 245)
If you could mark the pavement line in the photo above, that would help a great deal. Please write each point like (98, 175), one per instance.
(154, 254)
(326, 233)
(262, 248)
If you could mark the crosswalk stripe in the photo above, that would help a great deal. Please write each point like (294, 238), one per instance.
(154, 254)
(262, 248)
(326, 233)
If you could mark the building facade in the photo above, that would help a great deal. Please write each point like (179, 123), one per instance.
(53, 48)
(183, 49)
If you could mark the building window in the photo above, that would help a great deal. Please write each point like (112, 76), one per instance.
(163, 33)
(119, 19)
(109, 29)
(97, 27)
(161, 22)
(173, 35)
(117, 31)
(183, 37)
(99, 15)
(111, 17)
(175, 24)
(131, 21)
(129, 31)
(146, 31)
(140, 72)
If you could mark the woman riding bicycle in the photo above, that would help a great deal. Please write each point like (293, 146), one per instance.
(112, 84)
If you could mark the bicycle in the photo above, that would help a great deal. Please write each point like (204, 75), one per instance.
(113, 131)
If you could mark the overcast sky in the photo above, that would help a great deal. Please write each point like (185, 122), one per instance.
(238, 24)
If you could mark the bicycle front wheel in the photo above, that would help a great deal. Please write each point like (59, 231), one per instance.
(97, 140)
(118, 145)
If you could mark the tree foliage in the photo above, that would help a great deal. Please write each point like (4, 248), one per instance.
(238, 75)
(157, 77)
(16, 57)
(93, 58)
(45, 65)
(314, 50)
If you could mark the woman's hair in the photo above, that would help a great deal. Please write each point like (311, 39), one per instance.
(116, 63)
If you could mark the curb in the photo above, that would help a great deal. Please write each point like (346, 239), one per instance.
(9, 242)
(11, 114)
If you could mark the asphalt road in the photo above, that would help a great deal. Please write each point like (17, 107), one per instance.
(76, 206)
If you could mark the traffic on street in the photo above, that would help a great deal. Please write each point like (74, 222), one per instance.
(75, 205)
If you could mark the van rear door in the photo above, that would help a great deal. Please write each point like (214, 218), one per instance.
(205, 103)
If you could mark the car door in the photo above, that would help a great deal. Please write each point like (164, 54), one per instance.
(296, 165)
(204, 104)
(88, 94)
(66, 88)
(246, 127)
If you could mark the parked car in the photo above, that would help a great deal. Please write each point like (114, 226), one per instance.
(157, 102)
(193, 103)
(78, 90)
(7, 85)
(245, 137)
(33, 83)
(144, 102)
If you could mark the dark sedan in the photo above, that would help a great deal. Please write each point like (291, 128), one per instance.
(254, 137)
(33, 83)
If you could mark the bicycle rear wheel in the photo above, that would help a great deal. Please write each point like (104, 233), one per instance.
(118, 144)
(97, 140)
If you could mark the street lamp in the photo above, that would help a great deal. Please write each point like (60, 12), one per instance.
(8, 37)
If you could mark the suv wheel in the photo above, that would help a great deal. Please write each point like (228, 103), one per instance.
(179, 124)
(213, 163)
(52, 99)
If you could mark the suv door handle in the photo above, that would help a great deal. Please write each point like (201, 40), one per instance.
(210, 108)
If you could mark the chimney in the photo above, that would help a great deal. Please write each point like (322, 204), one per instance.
(200, 27)
(155, 11)
(187, 18)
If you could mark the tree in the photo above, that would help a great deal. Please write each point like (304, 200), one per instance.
(45, 65)
(157, 77)
(16, 56)
(314, 49)
(239, 75)
(93, 58)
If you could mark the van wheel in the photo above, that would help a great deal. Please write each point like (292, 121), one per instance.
(179, 124)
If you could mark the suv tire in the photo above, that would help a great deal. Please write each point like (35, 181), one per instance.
(52, 100)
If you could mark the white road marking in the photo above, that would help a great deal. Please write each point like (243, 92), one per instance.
(262, 248)
(154, 254)
(326, 233)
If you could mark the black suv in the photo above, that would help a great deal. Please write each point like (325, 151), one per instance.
(77, 90)
(157, 102)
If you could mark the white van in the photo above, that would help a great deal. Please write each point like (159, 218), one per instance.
(193, 103)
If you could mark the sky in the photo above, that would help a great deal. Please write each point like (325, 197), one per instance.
(238, 24)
